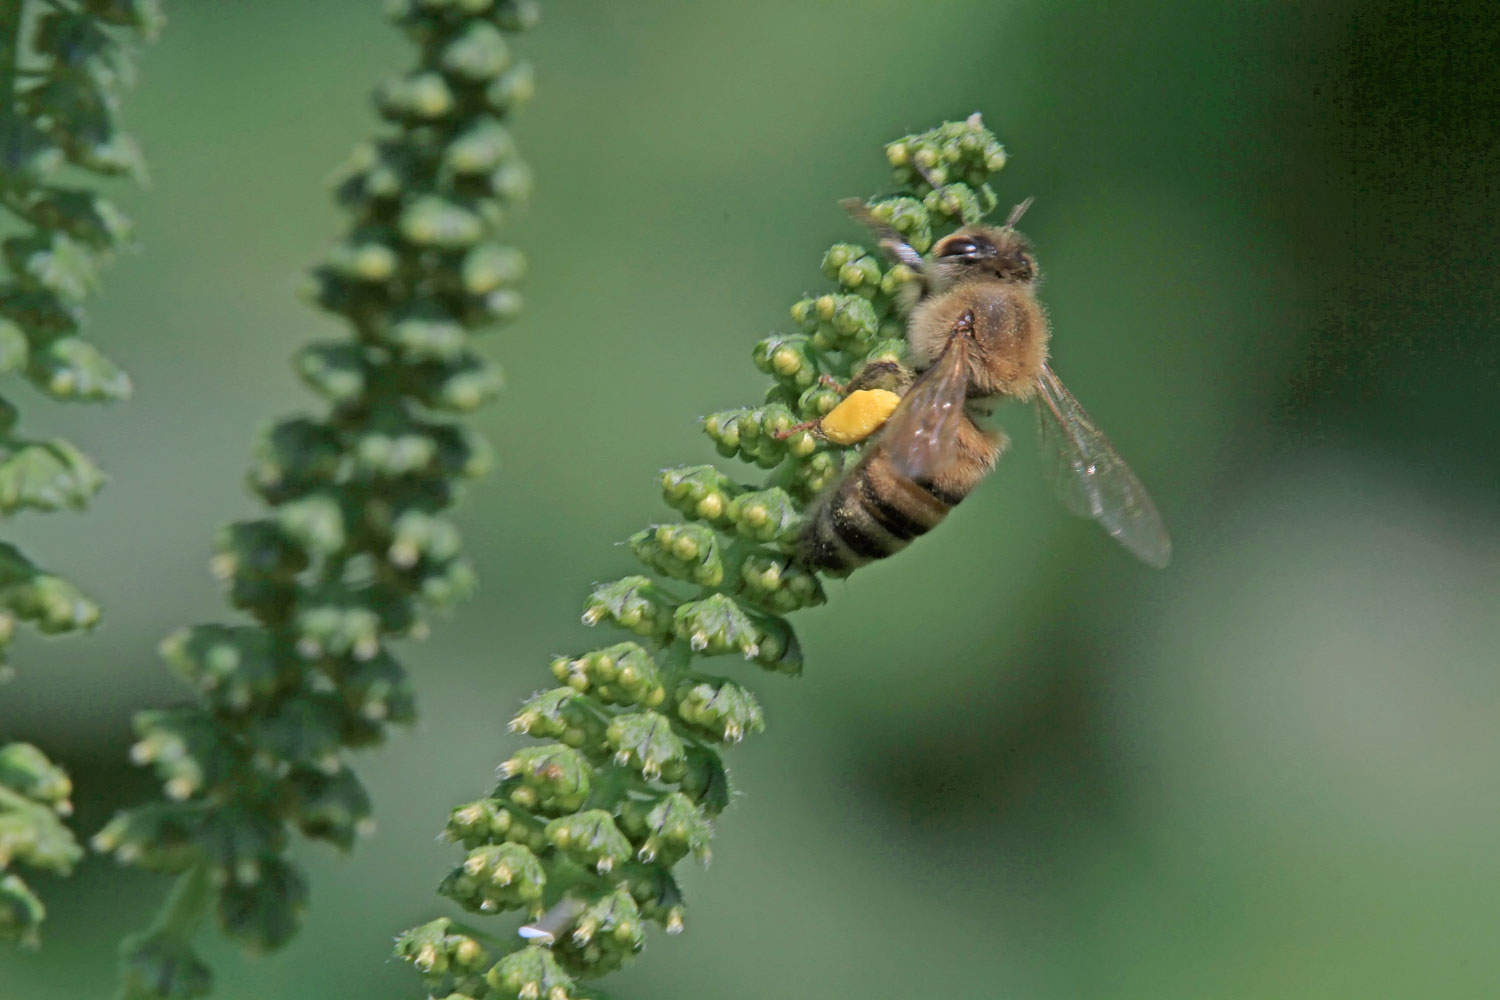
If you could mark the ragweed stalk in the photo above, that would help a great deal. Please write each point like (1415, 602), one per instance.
(63, 67)
(583, 831)
(354, 552)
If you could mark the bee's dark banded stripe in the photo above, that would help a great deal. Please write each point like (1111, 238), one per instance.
(860, 533)
(942, 496)
(873, 513)
(896, 522)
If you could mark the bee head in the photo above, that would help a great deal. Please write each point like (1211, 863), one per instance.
(975, 252)
(986, 252)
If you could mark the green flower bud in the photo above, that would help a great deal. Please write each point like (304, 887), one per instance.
(724, 429)
(701, 492)
(474, 823)
(496, 877)
(51, 262)
(719, 709)
(590, 838)
(331, 624)
(623, 674)
(314, 523)
(393, 454)
(490, 266)
(909, 217)
(532, 973)
(336, 371)
(550, 779)
(501, 305)
(25, 769)
(422, 335)
(633, 603)
(186, 748)
(72, 369)
(788, 358)
(839, 256)
(480, 148)
(861, 275)
(854, 319)
(432, 221)
(645, 742)
(441, 584)
(233, 666)
(887, 351)
(50, 603)
(492, 820)
(35, 835)
(607, 934)
(367, 255)
(717, 625)
(780, 584)
(47, 476)
(161, 836)
(656, 893)
(416, 535)
(767, 516)
(818, 401)
(418, 97)
(511, 89)
(294, 454)
(683, 551)
(435, 948)
(561, 714)
(672, 828)
(477, 54)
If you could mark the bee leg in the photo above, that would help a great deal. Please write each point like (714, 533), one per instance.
(890, 375)
(808, 425)
(875, 375)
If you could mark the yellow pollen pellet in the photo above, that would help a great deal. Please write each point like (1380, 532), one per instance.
(862, 413)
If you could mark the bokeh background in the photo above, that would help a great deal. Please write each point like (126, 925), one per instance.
(1019, 764)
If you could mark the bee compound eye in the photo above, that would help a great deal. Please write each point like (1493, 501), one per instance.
(961, 247)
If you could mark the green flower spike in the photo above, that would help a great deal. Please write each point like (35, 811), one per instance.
(63, 68)
(356, 550)
(632, 780)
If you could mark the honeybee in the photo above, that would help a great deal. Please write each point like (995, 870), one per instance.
(975, 332)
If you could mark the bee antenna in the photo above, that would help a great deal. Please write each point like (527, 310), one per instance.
(1017, 212)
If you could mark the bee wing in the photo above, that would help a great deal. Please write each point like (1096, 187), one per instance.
(1091, 478)
(921, 436)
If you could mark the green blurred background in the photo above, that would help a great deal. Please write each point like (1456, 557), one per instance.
(1019, 764)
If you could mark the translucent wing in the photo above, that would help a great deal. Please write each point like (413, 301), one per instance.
(1091, 478)
(921, 437)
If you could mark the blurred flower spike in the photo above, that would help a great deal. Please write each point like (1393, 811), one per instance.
(591, 824)
(354, 550)
(63, 69)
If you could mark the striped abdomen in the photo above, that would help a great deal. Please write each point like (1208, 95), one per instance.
(873, 512)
